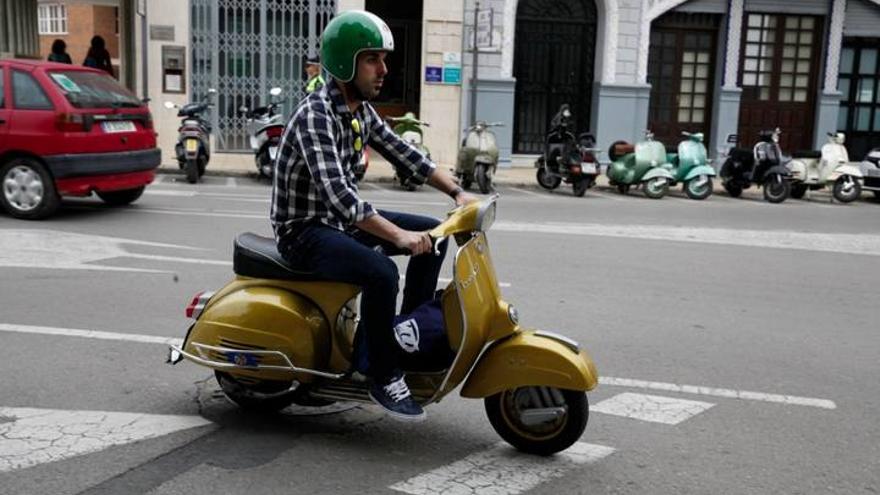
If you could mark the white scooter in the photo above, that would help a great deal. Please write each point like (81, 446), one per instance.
(265, 127)
(870, 166)
(830, 167)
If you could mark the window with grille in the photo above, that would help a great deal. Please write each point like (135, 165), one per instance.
(52, 18)
(758, 60)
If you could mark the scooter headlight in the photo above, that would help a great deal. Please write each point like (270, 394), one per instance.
(513, 314)
(486, 216)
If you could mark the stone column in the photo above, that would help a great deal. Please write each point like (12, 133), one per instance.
(729, 95)
(829, 99)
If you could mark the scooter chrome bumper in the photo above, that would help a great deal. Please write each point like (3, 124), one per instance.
(240, 359)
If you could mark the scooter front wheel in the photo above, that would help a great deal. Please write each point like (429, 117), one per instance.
(484, 178)
(539, 420)
(656, 188)
(699, 187)
(846, 189)
(776, 189)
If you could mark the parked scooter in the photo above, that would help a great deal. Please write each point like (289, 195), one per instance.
(265, 127)
(276, 336)
(815, 170)
(409, 128)
(690, 166)
(566, 158)
(763, 165)
(478, 156)
(642, 165)
(193, 148)
(870, 168)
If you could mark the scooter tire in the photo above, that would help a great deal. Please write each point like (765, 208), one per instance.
(191, 169)
(546, 180)
(484, 180)
(776, 189)
(656, 192)
(734, 190)
(699, 193)
(544, 439)
(203, 165)
(840, 194)
(579, 187)
(241, 393)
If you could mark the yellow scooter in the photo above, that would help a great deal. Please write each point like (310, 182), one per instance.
(276, 337)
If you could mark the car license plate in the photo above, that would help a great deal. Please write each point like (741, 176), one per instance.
(273, 152)
(192, 145)
(588, 168)
(118, 126)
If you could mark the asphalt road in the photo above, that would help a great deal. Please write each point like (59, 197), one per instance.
(737, 343)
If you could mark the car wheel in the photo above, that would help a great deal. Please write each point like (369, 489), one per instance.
(28, 189)
(120, 198)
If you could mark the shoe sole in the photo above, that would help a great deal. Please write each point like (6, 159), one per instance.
(405, 418)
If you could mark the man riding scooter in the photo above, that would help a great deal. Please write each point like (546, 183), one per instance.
(321, 223)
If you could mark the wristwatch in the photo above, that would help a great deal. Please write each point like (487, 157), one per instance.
(455, 192)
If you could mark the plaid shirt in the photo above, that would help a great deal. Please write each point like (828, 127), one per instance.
(314, 179)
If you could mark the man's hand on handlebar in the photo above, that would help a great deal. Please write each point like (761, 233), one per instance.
(415, 242)
(464, 198)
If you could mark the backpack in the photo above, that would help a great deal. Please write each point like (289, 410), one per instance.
(422, 344)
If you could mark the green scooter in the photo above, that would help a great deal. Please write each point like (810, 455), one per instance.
(641, 165)
(409, 128)
(690, 166)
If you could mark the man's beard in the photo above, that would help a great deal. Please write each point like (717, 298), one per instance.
(352, 89)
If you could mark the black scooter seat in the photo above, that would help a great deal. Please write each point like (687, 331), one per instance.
(258, 257)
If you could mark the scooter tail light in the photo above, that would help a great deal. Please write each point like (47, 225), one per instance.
(274, 132)
(197, 305)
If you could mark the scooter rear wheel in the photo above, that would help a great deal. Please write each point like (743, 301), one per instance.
(579, 187)
(798, 191)
(516, 416)
(734, 190)
(484, 178)
(191, 169)
(546, 180)
(256, 395)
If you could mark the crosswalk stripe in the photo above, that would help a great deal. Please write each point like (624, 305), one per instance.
(501, 470)
(30, 436)
(651, 408)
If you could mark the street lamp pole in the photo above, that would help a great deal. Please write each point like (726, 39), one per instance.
(473, 112)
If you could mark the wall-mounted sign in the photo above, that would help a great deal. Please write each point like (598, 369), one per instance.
(161, 33)
(433, 74)
(452, 67)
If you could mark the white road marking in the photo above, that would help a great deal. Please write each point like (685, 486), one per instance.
(501, 470)
(652, 408)
(604, 380)
(530, 193)
(65, 250)
(865, 244)
(171, 192)
(30, 436)
(719, 392)
(90, 334)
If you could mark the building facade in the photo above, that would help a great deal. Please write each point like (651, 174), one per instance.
(720, 67)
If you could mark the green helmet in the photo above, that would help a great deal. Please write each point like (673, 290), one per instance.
(348, 34)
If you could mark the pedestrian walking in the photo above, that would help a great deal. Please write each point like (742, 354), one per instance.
(59, 52)
(98, 56)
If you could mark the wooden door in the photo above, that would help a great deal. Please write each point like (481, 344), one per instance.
(779, 77)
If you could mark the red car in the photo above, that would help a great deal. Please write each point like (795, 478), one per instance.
(70, 131)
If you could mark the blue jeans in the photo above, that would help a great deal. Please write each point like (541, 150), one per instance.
(353, 258)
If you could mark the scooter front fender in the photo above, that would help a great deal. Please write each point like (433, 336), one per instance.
(851, 170)
(698, 171)
(657, 172)
(531, 358)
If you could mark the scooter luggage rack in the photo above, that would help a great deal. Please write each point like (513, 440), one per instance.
(204, 359)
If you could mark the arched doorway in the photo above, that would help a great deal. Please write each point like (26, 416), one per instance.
(554, 50)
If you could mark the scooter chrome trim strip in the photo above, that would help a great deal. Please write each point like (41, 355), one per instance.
(562, 339)
(203, 360)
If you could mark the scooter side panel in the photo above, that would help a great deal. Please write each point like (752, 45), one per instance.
(852, 170)
(527, 359)
(656, 172)
(264, 318)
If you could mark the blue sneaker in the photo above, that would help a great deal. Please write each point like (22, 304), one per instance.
(393, 396)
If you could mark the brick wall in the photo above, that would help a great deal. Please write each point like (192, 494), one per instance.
(83, 22)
